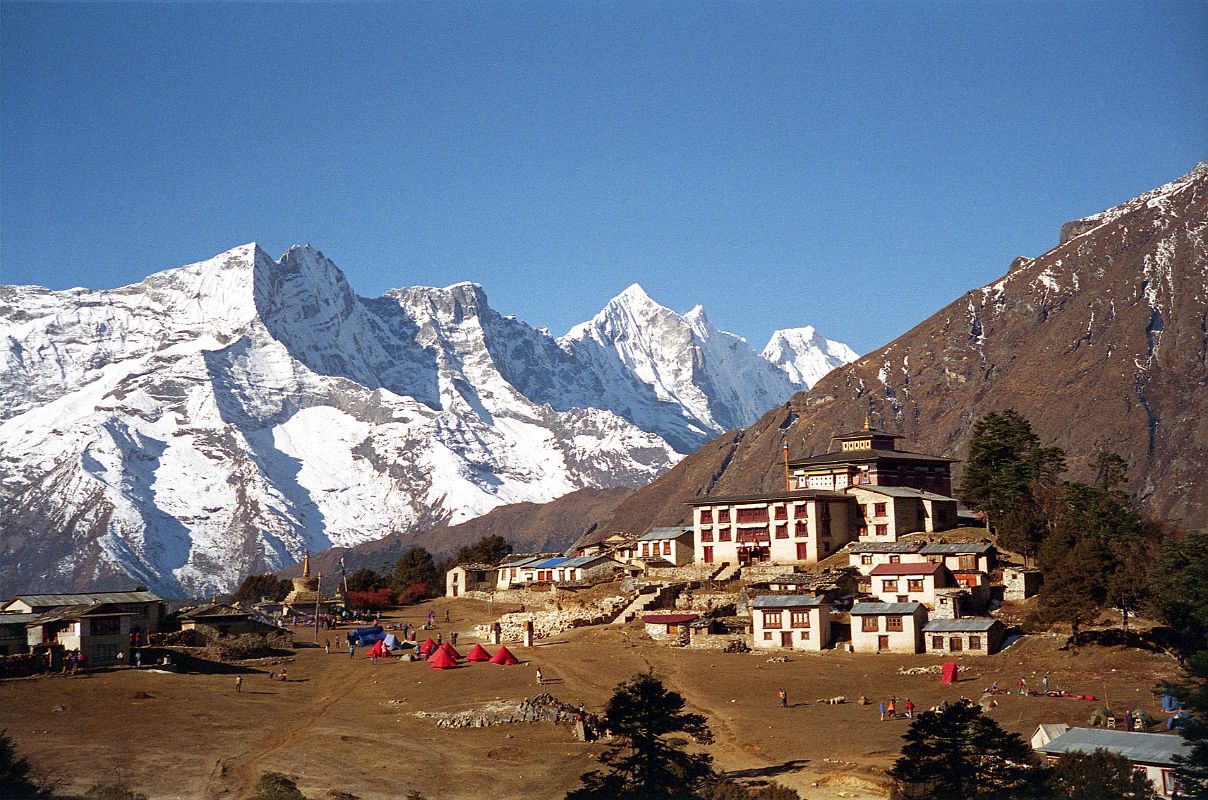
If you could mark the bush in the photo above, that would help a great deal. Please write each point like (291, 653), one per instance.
(413, 594)
(275, 786)
(113, 791)
(375, 600)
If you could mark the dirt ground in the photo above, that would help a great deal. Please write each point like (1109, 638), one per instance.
(333, 725)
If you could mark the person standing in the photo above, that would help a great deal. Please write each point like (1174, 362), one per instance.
(352, 649)
(782, 698)
(138, 658)
(892, 708)
(327, 647)
(1044, 684)
(453, 638)
(909, 708)
(883, 709)
(238, 684)
(540, 678)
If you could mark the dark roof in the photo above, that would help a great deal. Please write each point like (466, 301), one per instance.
(966, 625)
(1137, 747)
(956, 548)
(885, 547)
(77, 611)
(658, 562)
(664, 533)
(669, 619)
(806, 578)
(803, 494)
(17, 619)
(867, 433)
(87, 598)
(907, 568)
(216, 610)
(902, 491)
(859, 456)
(786, 601)
(871, 609)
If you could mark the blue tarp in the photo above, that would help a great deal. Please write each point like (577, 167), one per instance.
(1170, 703)
(367, 636)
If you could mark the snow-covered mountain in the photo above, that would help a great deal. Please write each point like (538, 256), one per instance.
(215, 419)
(806, 355)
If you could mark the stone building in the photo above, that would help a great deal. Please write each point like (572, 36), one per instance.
(797, 622)
(888, 627)
(972, 635)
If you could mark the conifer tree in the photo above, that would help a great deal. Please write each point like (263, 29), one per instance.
(1100, 775)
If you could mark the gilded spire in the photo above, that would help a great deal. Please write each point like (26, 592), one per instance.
(306, 564)
(868, 421)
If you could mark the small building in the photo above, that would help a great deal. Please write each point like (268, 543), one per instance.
(864, 556)
(673, 627)
(222, 620)
(969, 562)
(671, 544)
(909, 583)
(796, 622)
(1047, 732)
(147, 609)
(527, 570)
(471, 578)
(887, 627)
(828, 585)
(1020, 583)
(952, 603)
(100, 631)
(13, 638)
(596, 544)
(890, 512)
(979, 636)
(1152, 752)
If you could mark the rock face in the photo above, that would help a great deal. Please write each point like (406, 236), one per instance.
(1102, 343)
(216, 419)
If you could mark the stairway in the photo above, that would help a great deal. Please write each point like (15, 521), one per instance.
(662, 595)
(728, 572)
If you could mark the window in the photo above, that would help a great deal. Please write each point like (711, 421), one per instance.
(645, 549)
(968, 563)
(723, 515)
(667, 548)
(103, 652)
(804, 636)
(706, 516)
(105, 626)
(825, 526)
(782, 512)
(879, 510)
(799, 619)
(937, 642)
(895, 559)
(706, 536)
(914, 584)
(893, 623)
(869, 624)
(782, 531)
(882, 529)
(975, 643)
(889, 584)
(723, 535)
(767, 636)
(802, 530)
(771, 619)
(752, 515)
(866, 559)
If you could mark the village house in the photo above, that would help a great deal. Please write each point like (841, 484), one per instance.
(979, 636)
(864, 556)
(222, 620)
(798, 622)
(887, 627)
(889, 512)
(829, 584)
(100, 631)
(909, 582)
(471, 578)
(673, 545)
(1153, 753)
(969, 562)
(669, 627)
(525, 570)
(147, 609)
(952, 603)
(620, 546)
(783, 527)
(13, 638)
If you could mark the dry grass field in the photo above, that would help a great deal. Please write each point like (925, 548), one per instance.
(334, 725)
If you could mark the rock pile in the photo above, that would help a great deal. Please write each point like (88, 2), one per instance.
(542, 708)
(552, 622)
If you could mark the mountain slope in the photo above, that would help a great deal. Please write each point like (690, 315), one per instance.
(1102, 343)
(216, 419)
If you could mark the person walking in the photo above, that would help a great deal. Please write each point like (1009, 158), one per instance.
(1044, 684)
(138, 658)
(352, 649)
(327, 647)
(453, 638)
(284, 674)
(882, 707)
(909, 708)
(238, 684)
(892, 708)
(540, 678)
(782, 698)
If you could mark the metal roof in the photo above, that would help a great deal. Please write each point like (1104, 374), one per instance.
(902, 491)
(885, 547)
(1139, 748)
(219, 610)
(17, 619)
(957, 547)
(86, 598)
(77, 611)
(550, 562)
(663, 533)
(858, 456)
(802, 495)
(964, 625)
(583, 561)
(907, 568)
(786, 601)
(869, 609)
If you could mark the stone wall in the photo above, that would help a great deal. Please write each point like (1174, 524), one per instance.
(686, 573)
(705, 601)
(551, 622)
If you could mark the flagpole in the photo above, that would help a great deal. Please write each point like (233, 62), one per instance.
(787, 485)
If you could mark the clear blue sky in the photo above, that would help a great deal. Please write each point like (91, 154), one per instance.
(853, 166)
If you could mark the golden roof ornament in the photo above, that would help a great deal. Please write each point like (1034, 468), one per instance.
(306, 564)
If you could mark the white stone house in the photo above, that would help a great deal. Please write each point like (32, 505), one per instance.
(887, 627)
(979, 636)
(673, 545)
(1152, 752)
(781, 527)
(555, 569)
(890, 512)
(969, 562)
(147, 608)
(797, 622)
(669, 627)
(909, 583)
(865, 556)
(471, 578)
(101, 631)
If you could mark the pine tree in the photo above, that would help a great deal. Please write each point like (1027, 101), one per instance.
(649, 761)
(1100, 775)
(415, 566)
(1179, 588)
(1192, 771)
(961, 754)
(16, 781)
(487, 550)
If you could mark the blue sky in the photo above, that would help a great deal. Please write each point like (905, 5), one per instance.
(853, 166)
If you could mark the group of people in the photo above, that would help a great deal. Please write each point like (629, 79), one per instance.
(894, 710)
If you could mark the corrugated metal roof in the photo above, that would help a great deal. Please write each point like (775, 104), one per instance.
(869, 609)
(964, 625)
(786, 601)
(583, 561)
(903, 491)
(17, 619)
(550, 562)
(663, 533)
(87, 598)
(77, 611)
(885, 547)
(1140, 748)
(907, 568)
(957, 547)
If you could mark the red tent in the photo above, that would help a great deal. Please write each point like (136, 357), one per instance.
(479, 653)
(948, 674)
(379, 649)
(504, 656)
(441, 660)
(427, 647)
(448, 648)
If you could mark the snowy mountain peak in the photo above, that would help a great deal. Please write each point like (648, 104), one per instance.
(805, 355)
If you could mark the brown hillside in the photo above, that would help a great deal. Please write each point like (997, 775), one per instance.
(1102, 343)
